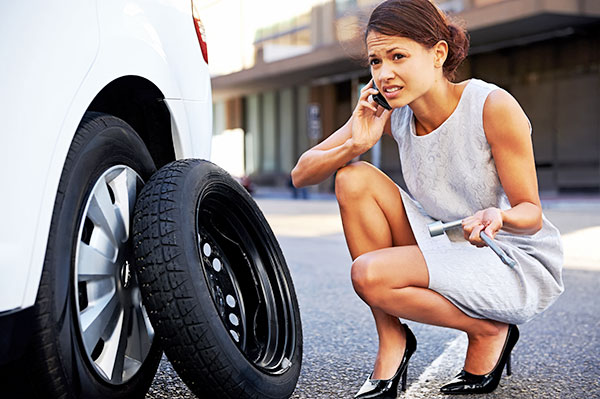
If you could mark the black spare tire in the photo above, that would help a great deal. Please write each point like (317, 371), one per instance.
(216, 284)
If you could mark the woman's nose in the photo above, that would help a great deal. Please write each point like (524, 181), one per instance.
(386, 72)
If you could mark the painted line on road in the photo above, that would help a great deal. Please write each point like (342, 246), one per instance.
(439, 371)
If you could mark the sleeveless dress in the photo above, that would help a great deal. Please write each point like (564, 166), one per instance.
(450, 174)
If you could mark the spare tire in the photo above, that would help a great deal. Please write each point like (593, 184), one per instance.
(216, 284)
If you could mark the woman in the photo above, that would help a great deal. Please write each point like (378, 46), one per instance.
(466, 153)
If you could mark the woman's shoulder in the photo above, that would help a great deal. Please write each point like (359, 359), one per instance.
(480, 88)
(489, 99)
(503, 117)
(500, 104)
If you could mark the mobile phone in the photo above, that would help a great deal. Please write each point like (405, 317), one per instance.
(380, 99)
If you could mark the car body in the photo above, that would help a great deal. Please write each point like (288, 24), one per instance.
(64, 60)
(141, 61)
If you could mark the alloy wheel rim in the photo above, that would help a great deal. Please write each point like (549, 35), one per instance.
(250, 293)
(113, 325)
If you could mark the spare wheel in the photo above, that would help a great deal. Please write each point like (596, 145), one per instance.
(216, 284)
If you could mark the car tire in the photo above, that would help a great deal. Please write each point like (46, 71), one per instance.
(88, 305)
(217, 285)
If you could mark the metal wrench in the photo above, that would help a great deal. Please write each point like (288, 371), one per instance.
(437, 228)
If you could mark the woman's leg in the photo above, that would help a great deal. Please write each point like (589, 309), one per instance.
(390, 274)
(369, 231)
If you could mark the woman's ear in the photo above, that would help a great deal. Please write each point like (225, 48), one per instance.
(440, 53)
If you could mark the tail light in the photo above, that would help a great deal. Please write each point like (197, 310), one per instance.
(200, 31)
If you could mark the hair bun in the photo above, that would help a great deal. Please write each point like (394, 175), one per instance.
(458, 48)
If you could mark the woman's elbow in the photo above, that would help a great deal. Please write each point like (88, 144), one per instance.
(297, 180)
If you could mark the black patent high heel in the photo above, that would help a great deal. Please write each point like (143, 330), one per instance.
(466, 383)
(389, 388)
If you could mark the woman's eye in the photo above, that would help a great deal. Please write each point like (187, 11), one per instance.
(398, 56)
(373, 61)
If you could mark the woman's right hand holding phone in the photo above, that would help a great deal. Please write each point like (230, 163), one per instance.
(368, 120)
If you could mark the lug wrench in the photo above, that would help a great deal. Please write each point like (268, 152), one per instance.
(437, 228)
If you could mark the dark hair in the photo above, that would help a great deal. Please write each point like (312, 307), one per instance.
(423, 22)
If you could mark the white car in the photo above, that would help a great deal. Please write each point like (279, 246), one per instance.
(96, 96)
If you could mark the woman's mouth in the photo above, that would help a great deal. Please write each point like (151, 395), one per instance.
(392, 91)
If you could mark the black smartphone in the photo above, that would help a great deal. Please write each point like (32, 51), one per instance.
(380, 99)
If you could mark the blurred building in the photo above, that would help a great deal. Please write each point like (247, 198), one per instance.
(300, 79)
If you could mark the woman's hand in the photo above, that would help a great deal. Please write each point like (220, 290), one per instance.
(489, 220)
(368, 120)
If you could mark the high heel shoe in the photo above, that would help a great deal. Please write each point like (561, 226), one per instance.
(465, 382)
(389, 388)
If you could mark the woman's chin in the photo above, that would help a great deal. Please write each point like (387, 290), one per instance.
(398, 103)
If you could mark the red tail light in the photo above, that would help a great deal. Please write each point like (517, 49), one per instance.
(200, 31)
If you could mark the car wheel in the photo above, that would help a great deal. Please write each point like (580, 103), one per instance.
(216, 283)
(92, 336)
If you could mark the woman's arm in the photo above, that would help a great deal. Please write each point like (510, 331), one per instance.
(359, 134)
(508, 133)
(319, 162)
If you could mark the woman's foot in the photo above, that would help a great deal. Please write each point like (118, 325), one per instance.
(469, 383)
(484, 349)
(389, 354)
(388, 387)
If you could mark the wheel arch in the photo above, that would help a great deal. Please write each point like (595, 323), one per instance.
(141, 104)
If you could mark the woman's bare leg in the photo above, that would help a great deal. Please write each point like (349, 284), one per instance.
(365, 234)
(390, 274)
(377, 281)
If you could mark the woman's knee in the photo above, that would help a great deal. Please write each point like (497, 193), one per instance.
(365, 279)
(350, 181)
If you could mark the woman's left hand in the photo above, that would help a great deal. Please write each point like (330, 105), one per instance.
(489, 220)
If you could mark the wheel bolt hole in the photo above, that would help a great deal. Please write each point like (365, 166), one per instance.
(206, 249)
(235, 335)
(233, 319)
(216, 264)
(230, 301)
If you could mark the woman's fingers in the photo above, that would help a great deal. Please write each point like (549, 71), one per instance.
(468, 225)
(367, 91)
(368, 86)
(492, 228)
(488, 220)
(474, 237)
(367, 104)
(490, 231)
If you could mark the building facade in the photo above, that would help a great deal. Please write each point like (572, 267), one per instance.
(307, 71)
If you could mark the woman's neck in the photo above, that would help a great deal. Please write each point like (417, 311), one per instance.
(434, 107)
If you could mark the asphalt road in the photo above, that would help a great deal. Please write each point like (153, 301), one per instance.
(558, 355)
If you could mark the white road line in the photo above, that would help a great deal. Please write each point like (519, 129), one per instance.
(442, 369)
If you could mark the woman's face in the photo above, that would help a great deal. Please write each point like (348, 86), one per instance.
(403, 69)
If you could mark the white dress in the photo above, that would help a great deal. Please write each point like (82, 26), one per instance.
(450, 174)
